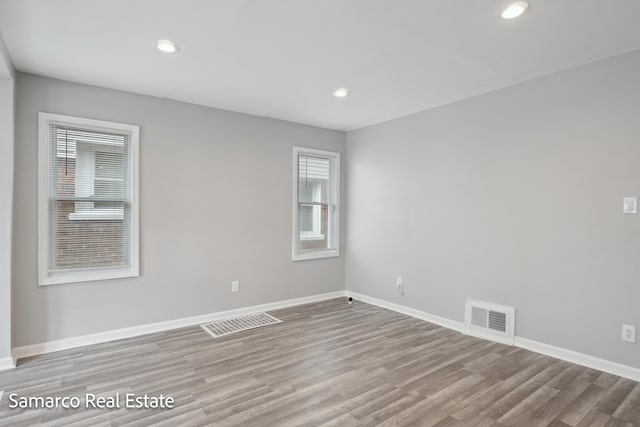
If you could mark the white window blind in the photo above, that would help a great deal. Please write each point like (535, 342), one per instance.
(91, 211)
(315, 204)
(313, 198)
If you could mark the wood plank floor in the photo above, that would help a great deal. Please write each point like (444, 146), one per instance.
(328, 364)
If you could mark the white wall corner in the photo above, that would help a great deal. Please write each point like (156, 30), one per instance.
(7, 70)
(7, 105)
(7, 123)
(7, 363)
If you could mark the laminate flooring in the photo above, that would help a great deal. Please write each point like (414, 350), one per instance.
(327, 364)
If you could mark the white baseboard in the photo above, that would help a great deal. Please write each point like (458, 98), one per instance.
(489, 337)
(535, 346)
(447, 323)
(538, 347)
(117, 334)
(580, 358)
(7, 363)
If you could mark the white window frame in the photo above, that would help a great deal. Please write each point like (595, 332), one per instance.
(53, 277)
(334, 204)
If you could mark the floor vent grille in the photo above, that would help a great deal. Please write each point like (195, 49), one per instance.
(490, 321)
(225, 327)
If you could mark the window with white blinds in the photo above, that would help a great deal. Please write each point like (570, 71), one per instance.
(88, 199)
(316, 208)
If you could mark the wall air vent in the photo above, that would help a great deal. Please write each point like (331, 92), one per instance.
(490, 321)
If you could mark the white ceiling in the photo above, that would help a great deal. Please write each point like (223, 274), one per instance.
(283, 58)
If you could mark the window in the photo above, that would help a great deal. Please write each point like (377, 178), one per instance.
(316, 195)
(88, 200)
(99, 171)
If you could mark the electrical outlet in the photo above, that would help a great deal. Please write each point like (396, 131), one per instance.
(630, 205)
(629, 333)
(235, 286)
(400, 285)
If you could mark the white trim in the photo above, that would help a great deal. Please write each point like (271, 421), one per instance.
(485, 335)
(7, 363)
(89, 275)
(579, 358)
(45, 277)
(328, 253)
(535, 346)
(531, 345)
(334, 203)
(117, 334)
(441, 321)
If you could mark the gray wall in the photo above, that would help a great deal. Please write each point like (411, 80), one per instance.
(513, 197)
(216, 197)
(6, 203)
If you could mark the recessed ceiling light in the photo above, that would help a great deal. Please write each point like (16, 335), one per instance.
(515, 9)
(341, 92)
(166, 46)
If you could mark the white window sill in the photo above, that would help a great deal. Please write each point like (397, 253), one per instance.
(310, 236)
(327, 253)
(97, 215)
(71, 276)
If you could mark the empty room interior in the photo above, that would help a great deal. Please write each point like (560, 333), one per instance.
(319, 213)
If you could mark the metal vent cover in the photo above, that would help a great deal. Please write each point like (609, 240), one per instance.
(230, 326)
(479, 317)
(490, 321)
(497, 321)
